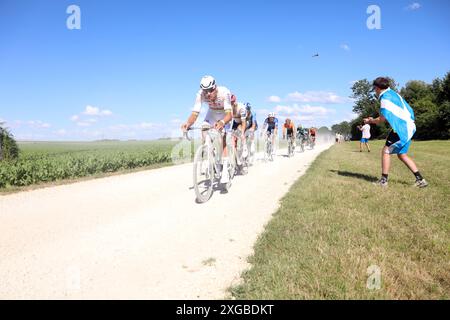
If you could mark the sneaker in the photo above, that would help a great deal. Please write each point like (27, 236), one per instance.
(421, 183)
(381, 183)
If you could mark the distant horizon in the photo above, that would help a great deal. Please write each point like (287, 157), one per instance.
(131, 69)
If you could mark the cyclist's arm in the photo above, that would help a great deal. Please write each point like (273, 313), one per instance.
(195, 112)
(228, 109)
(265, 126)
(284, 131)
(244, 126)
(228, 117)
(243, 121)
(192, 119)
(254, 122)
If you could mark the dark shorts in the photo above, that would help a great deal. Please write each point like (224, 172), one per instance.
(395, 145)
(235, 125)
(364, 140)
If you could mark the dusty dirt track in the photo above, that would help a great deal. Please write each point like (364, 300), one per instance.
(138, 236)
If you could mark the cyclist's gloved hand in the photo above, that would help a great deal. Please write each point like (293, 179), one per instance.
(219, 125)
(185, 127)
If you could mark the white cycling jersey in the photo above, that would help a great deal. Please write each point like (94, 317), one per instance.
(217, 109)
(221, 105)
(240, 115)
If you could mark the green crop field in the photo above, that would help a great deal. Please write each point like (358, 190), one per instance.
(43, 162)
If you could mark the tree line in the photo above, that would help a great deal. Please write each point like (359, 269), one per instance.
(430, 102)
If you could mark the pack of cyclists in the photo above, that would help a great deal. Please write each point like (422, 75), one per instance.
(227, 115)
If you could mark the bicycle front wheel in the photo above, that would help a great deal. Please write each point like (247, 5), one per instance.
(203, 174)
(232, 165)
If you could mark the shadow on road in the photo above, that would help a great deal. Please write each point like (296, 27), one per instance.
(355, 175)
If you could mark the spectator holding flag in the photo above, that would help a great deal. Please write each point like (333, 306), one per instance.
(397, 112)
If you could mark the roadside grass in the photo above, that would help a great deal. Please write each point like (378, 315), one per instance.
(334, 224)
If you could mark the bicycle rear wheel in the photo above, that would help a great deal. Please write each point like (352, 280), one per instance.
(232, 165)
(290, 149)
(270, 151)
(243, 162)
(203, 174)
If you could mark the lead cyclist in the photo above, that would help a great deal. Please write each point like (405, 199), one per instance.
(219, 115)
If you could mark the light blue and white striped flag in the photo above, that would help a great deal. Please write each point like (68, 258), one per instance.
(399, 115)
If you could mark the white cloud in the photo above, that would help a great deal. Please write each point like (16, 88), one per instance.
(89, 116)
(316, 97)
(106, 113)
(303, 110)
(84, 124)
(176, 121)
(146, 125)
(305, 114)
(274, 99)
(37, 124)
(61, 132)
(262, 112)
(414, 6)
(345, 47)
(94, 111)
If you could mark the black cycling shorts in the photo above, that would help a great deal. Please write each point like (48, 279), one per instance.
(392, 138)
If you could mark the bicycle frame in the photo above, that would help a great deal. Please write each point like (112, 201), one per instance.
(268, 146)
(213, 138)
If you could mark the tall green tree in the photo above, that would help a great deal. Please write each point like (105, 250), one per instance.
(442, 99)
(344, 128)
(417, 90)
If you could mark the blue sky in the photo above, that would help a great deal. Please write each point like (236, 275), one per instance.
(133, 69)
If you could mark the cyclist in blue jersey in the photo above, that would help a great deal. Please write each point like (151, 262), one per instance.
(271, 127)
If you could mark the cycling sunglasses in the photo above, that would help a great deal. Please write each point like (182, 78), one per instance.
(211, 90)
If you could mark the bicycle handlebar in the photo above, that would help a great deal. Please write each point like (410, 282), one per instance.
(186, 135)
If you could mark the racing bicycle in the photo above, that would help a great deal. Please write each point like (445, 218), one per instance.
(208, 166)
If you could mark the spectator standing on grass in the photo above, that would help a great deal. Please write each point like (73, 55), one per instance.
(397, 112)
(365, 129)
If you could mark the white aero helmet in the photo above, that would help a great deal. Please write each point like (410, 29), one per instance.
(271, 115)
(208, 83)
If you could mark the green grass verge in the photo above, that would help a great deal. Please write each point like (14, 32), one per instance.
(334, 224)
